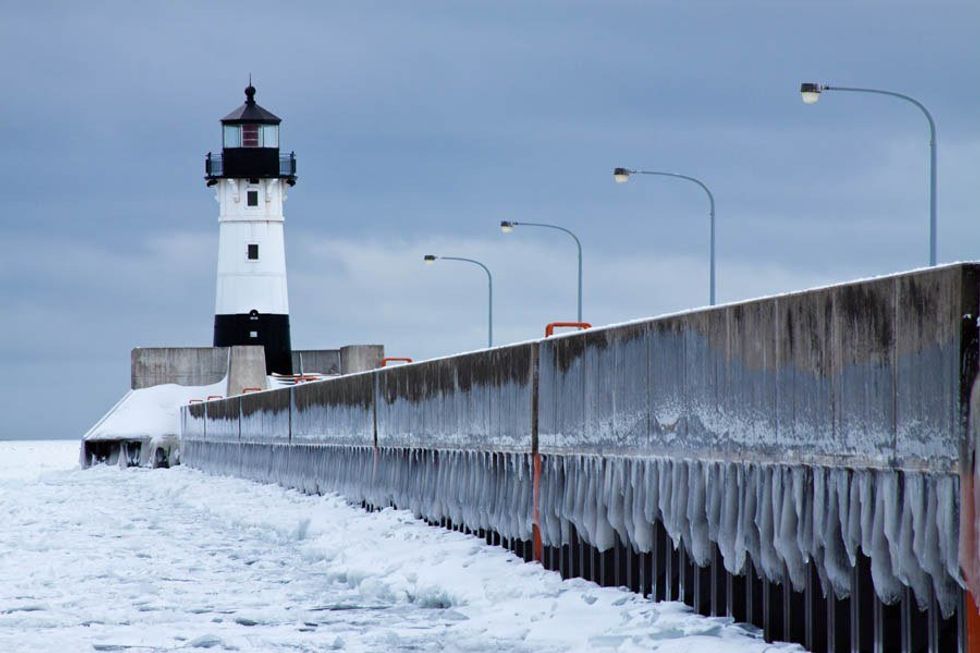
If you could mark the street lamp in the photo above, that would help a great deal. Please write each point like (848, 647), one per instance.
(507, 226)
(811, 93)
(431, 258)
(622, 175)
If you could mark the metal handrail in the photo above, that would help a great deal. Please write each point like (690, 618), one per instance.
(550, 329)
(395, 359)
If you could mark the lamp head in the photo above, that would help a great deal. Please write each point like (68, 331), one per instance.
(506, 226)
(430, 259)
(621, 175)
(810, 92)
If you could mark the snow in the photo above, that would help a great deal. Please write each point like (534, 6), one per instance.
(150, 412)
(141, 559)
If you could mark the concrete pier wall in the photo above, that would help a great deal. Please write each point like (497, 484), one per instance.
(325, 361)
(861, 375)
(795, 461)
(360, 358)
(181, 365)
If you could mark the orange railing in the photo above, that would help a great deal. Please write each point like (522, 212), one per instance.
(394, 359)
(550, 329)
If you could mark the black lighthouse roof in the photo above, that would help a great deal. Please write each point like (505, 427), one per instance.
(250, 112)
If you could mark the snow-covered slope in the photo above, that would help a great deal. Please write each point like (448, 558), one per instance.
(150, 412)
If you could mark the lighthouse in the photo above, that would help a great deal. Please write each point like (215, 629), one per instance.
(250, 178)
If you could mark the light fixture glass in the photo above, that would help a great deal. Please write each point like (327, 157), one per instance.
(429, 259)
(621, 175)
(810, 92)
(506, 226)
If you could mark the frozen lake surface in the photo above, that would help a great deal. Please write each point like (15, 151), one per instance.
(113, 559)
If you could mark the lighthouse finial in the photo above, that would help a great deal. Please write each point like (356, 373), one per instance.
(250, 91)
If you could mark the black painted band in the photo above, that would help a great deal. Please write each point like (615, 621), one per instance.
(270, 331)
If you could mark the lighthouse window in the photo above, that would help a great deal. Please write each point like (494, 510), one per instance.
(253, 198)
(233, 136)
(253, 252)
(250, 135)
(270, 136)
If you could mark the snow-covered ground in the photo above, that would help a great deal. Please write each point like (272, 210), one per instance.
(113, 559)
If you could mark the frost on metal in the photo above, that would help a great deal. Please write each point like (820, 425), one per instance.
(802, 429)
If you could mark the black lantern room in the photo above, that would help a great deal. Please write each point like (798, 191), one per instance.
(250, 146)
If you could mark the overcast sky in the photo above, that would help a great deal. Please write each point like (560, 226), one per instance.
(418, 126)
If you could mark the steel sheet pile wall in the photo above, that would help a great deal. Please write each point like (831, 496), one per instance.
(806, 446)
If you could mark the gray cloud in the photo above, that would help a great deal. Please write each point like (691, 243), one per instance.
(418, 126)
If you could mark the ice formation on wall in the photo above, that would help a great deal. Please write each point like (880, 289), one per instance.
(796, 430)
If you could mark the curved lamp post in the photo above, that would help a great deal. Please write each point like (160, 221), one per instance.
(811, 93)
(507, 226)
(431, 258)
(622, 175)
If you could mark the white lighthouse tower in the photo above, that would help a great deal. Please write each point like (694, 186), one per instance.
(250, 178)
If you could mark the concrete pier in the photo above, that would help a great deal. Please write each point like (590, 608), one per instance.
(802, 462)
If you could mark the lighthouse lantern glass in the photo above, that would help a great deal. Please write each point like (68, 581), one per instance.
(270, 136)
(233, 136)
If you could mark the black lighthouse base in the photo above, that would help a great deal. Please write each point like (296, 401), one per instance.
(270, 331)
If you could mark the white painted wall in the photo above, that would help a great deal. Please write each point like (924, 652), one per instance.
(243, 284)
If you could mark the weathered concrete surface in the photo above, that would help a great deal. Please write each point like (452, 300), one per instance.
(246, 368)
(360, 358)
(224, 422)
(193, 422)
(471, 401)
(181, 365)
(265, 416)
(340, 411)
(319, 361)
(863, 374)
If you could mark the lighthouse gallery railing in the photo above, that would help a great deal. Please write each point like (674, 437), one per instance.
(214, 165)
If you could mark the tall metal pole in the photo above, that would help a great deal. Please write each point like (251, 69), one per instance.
(711, 215)
(932, 152)
(578, 245)
(489, 291)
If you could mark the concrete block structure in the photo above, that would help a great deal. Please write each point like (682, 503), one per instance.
(325, 361)
(360, 358)
(152, 366)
